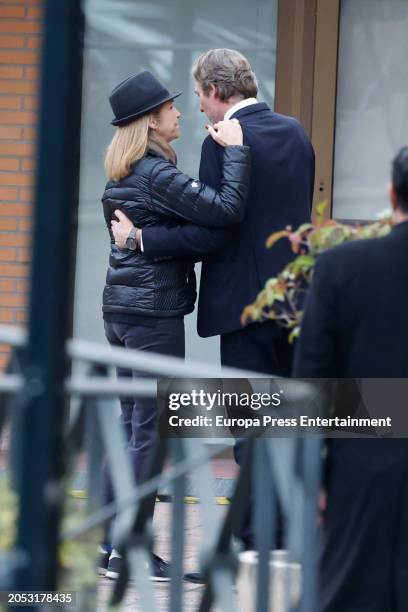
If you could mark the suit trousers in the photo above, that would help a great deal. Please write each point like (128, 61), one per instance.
(139, 415)
(260, 347)
(364, 562)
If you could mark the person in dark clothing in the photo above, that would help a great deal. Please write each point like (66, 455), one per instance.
(235, 262)
(146, 297)
(355, 326)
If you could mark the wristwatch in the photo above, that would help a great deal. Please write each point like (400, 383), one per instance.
(132, 241)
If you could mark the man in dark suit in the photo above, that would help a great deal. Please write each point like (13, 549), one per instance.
(355, 326)
(235, 262)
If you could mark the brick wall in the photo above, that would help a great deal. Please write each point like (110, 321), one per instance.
(20, 41)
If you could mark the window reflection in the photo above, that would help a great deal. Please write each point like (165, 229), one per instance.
(372, 103)
(122, 38)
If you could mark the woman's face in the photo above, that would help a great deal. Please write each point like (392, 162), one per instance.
(166, 123)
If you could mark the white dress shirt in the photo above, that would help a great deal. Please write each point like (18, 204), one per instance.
(238, 106)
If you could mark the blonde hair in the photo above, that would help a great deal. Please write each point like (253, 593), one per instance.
(130, 143)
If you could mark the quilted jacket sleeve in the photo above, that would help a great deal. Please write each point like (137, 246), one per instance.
(176, 194)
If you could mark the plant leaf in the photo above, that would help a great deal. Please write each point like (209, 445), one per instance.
(273, 238)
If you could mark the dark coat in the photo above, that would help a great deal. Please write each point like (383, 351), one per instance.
(355, 321)
(157, 192)
(355, 326)
(280, 194)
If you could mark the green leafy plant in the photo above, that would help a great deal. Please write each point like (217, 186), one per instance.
(77, 558)
(281, 299)
(8, 514)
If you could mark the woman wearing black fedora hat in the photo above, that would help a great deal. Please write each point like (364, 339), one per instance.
(145, 299)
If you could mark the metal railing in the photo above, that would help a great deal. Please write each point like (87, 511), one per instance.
(43, 433)
(282, 472)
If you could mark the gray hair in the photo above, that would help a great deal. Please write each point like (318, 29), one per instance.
(229, 70)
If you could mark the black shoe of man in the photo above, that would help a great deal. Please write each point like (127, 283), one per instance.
(195, 578)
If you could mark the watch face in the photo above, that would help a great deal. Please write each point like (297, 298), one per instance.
(131, 243)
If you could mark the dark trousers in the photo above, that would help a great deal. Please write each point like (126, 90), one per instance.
(364, 562)
(259, 347)
(139, 415)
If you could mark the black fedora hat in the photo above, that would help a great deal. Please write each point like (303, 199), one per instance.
(136, 96)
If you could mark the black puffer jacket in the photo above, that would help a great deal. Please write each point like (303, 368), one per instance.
(156, 192)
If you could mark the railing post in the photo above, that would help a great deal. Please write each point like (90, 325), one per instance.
(177, 531)
(265, 506)
(56, 205)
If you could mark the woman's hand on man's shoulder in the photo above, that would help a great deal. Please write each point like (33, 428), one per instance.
(226, 133)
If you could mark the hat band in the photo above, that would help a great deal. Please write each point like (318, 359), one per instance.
(148, 104)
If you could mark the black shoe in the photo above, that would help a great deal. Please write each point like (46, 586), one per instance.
(159, 569)
(114, 565)
(103, 560)
(195, 577)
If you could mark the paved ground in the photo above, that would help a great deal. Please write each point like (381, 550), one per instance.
(224, 471)
(193, 536)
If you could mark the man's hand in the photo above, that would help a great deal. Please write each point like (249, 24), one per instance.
(121, 229)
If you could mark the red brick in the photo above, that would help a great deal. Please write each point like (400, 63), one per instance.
(15, 210)
(22, 316)
(18, 118)
(24, 2)
(8, 285)
(10, 133)
(10, 102)
(6, 316)
(4, 359)
(23, 285)
(34, 13)
(30, 133)
(24, 255)
(8, 225)
(25, 225)
(7, 194)
(15, 178)
(11, 72)
(13, 270)
(28, 165)
(26, 195)
(9, 164)
(18, 57)
(15, 240)
(29, 27)
(17, 148)
(11, 42)
(18, 87)
(8, 254)
(32, 73)
(15, 299)
(31, 103)
(11, 11)
(34, 42)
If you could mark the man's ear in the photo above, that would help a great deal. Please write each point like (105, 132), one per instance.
(213, 91)
(392, 196)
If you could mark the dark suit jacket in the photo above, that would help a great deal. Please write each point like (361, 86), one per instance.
(355, 323)
(281, 191)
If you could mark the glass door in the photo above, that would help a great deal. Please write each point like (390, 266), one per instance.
(372, 104)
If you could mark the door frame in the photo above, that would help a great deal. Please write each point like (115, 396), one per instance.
(306, 79)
